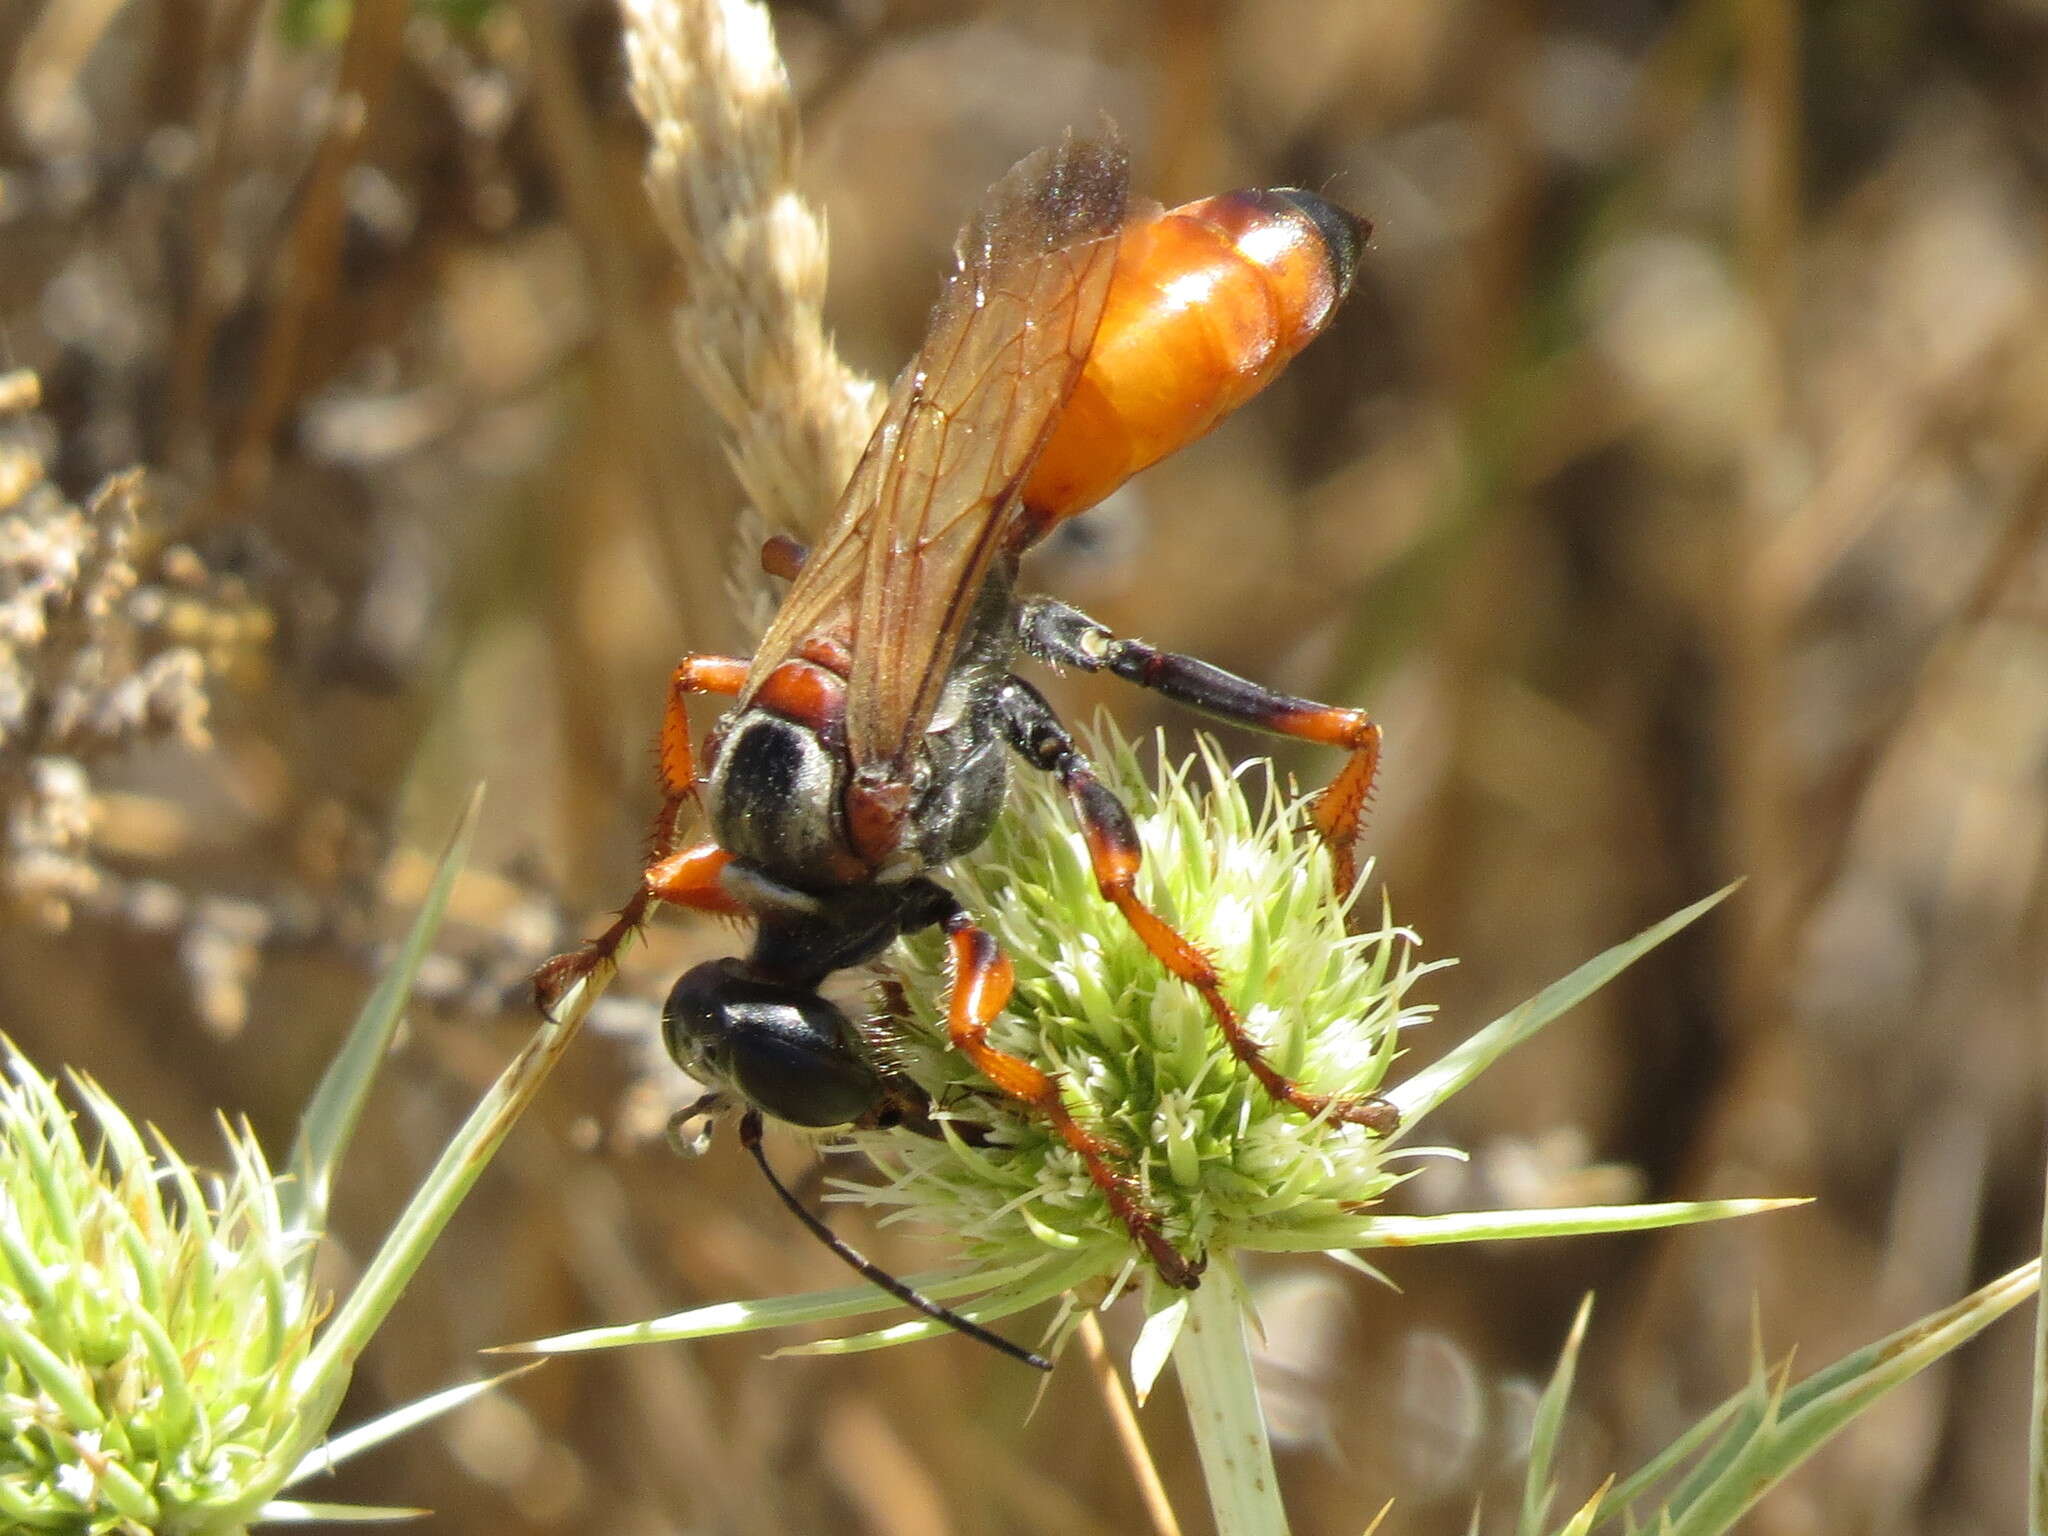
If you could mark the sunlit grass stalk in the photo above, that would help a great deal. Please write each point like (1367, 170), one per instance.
(1714, 1473)
(2037, 1446)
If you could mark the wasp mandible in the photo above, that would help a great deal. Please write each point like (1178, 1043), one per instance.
(1083, 336)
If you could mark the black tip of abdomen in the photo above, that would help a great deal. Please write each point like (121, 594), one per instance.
(1344, 232)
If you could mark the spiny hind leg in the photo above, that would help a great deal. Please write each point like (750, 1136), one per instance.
(1115, 855)
(982, 979)
(684, 877)
(1065, 636)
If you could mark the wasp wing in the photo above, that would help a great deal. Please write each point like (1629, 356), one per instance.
(933, 497)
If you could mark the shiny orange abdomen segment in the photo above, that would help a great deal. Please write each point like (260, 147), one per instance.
(1208, 303)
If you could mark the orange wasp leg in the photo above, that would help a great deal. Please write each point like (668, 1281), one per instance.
(982, 979)
(1115, 854)
(686, 877)
(1066, 637)
(682, 877)
(693, 675)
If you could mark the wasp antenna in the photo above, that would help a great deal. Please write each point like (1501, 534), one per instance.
(750, 1138)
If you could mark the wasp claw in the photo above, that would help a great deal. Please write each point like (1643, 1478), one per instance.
(1376, 1114)
(551, 983)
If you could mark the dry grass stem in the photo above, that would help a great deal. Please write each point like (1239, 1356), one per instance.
(1130, 1434)
(309, 262)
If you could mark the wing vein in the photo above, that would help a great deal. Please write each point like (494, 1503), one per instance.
(931, 503)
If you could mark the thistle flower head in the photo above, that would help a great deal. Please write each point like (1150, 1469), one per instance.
(166, 1364)
(151, 1323)
(1231, 861)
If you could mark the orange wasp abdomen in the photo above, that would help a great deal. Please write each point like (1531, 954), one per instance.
(1208, 303)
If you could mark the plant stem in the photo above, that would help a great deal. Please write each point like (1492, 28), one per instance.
(1117, 1403)
(2037, 1457)
(1214, 1361)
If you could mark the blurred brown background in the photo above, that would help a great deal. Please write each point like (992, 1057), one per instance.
(1672, 487)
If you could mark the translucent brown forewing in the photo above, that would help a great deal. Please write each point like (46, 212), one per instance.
(934, 495)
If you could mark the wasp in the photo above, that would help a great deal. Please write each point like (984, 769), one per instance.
(1084, 335)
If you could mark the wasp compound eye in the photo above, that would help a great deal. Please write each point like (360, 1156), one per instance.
(787, 1051)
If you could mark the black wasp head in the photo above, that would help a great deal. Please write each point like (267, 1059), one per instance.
(783, 1049)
